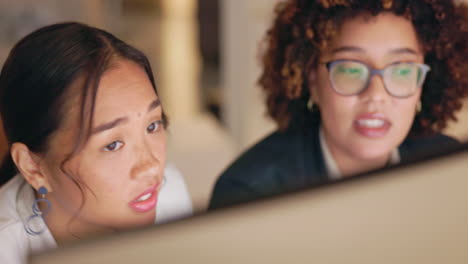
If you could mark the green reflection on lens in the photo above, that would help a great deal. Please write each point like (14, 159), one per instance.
(349, 70)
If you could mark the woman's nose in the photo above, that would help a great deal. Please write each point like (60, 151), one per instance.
(375, 90)
(147, 165)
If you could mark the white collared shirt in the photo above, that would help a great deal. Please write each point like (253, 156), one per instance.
(333, 171)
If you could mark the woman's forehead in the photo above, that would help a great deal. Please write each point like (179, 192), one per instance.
(384, 35)
(384, 29)
(125, 87)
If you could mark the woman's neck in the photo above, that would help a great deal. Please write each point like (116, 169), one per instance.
(66, 228)
(348, 164)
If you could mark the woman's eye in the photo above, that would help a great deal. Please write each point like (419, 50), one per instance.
(349, 70)
(114, 146)
(404, 71)
(154, 127)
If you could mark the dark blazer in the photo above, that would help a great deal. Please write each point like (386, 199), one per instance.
(289, 160)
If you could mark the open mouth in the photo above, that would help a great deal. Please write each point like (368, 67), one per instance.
(372, 125)
(144, 197)
(146, 201)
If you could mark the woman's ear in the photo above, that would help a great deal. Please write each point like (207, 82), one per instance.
(29, 165)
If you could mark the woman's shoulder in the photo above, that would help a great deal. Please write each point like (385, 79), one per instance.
(174, 201)
(14, 243)
(427, 145)
(274, 165)
(276, 148)
(12, 235)
(17, 245)
(267, 152)
(16, 199)
(173, 176)
(8, 197)
(437, 138)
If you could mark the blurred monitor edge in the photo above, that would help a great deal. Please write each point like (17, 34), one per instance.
(413, 213)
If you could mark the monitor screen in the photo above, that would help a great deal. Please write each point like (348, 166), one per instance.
(413, 213)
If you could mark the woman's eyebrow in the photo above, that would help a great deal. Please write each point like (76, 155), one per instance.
(357, 49)
(405, 51)
(109, 125)
(347, 49)
(121, 120)
(154, 105)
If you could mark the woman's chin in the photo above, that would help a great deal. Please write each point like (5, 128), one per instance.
(138, 221)
(375, 154)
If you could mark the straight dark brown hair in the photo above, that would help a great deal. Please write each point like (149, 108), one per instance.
(36, 78)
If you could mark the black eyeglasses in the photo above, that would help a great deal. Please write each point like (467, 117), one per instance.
(401, 79)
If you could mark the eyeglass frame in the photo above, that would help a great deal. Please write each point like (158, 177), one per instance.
(373, 71)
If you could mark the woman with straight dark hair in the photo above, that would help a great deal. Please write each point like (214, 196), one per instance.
(87, 142)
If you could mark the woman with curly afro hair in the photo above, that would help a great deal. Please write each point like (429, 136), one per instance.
(353, 85)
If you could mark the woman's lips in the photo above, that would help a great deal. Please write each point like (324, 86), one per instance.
(373, 125)
(146, 201)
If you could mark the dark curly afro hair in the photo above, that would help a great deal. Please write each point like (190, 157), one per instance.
(302, 29)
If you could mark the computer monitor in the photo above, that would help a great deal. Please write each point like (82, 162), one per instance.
(413, 213)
